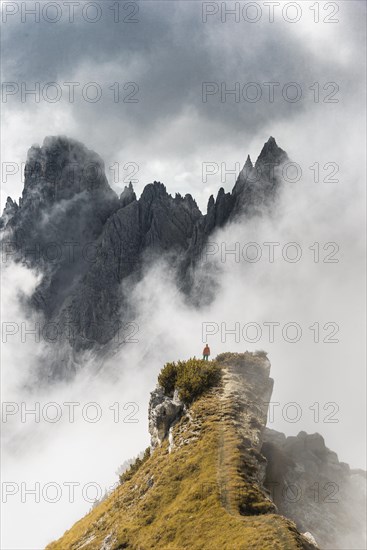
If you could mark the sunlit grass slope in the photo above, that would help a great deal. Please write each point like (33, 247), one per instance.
(189, 498)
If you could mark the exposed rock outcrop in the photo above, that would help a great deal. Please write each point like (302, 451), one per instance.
(65, 204)
(310, 486)
(10, 209)
(298, 477)
(163, 413)
(205, 490)
(247, 389)
(310, 538)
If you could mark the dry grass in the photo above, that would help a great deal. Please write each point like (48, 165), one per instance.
(188, 499)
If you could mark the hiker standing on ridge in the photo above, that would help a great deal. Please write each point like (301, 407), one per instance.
(206, 352)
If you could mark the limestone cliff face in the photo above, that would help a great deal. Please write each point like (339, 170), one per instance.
(163, 413)
(247, 389)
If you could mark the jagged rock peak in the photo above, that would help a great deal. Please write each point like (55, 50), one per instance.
(248, 163)
(62, 168)
(128, 195)
(10, 206)
(244, 174)
(190, 200)
(62, 149)
(157, 191)
(211, 203)
(154, 190)
(271, 153)
(62, 202)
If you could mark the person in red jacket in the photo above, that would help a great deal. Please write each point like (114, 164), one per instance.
(206, 352)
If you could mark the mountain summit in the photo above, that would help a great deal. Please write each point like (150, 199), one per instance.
(85, 240)
(271, 154)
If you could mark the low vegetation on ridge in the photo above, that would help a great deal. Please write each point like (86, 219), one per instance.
(191, 378)
(192, 495)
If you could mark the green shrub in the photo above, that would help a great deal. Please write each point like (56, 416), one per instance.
(191, 378)
(168, 377)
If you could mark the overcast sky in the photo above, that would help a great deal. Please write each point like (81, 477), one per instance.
(168, 53)
(168, 50)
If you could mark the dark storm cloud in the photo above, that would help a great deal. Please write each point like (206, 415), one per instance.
(170, 132)
(169, 53)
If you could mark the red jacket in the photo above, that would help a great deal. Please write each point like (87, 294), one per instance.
(206, 350)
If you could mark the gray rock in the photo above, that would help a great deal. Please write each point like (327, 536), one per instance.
(65, 204)
(9, 212)
(86, 241)
(163, 413)
(310, 486)
(310, 538)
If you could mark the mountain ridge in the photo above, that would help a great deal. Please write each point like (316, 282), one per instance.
(208, 479)
(200, 487)
(86, 241)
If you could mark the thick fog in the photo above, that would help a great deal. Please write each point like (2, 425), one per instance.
(319, 386)
(173, 136)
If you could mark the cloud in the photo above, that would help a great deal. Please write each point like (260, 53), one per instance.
(77, 433)
(169, 53)
(309, 375)
(169, 134)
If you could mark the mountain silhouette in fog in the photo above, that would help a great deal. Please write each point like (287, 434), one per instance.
(86, 241)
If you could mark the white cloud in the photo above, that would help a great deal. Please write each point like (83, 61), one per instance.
(169, 135)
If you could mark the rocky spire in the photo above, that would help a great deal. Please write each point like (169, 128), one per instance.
(67, 199)
(248, 163)
(271, 154)
(128, 195)
(61, 169)
(10, 209)
(247, 169)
